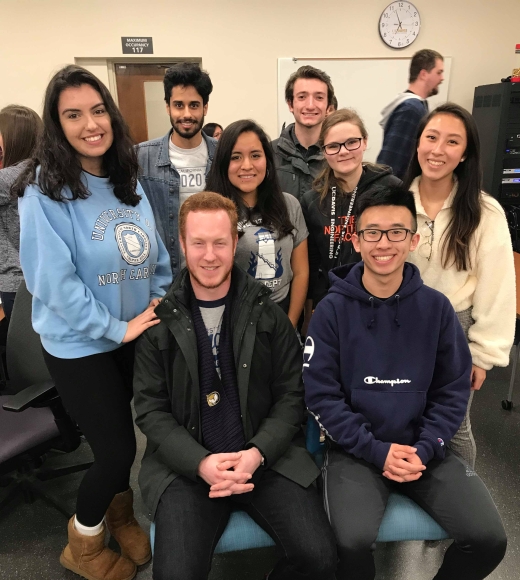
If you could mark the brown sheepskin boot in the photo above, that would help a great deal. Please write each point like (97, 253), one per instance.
(89, 557)
(121, 523)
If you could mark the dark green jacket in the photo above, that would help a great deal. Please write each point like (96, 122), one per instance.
(167, 398)
(295, 173)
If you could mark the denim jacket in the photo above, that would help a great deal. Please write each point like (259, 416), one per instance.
(160, 181)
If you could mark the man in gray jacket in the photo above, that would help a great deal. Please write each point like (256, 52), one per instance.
(175, 166)
(219, 396)
(308, 93)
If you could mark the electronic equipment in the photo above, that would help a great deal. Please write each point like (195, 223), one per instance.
(496, 110)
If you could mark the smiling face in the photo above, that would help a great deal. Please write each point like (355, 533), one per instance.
(186, 111)
(309, 105)
(384, 260)
(247, 166)
(209, 248)
(441, 147)
(345, 163)
(86, 125)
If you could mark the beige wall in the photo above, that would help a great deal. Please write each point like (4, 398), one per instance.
(239, 42)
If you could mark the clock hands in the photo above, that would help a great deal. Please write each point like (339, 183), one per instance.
(400, 25)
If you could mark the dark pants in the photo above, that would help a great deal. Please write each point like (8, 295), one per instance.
(189, 525)
(7, 303)
(96, 390)
(356, 494)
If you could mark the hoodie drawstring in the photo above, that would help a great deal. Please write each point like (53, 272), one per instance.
(396, 319)
(373, 312)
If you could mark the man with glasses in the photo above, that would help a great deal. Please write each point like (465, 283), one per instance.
(387, 376)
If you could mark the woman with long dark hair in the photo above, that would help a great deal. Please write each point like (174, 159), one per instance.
(465, 249)
(272, 244)
(20, 128)
(329, 208)
(96, 269)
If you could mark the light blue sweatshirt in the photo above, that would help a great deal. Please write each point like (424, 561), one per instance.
(91, 265)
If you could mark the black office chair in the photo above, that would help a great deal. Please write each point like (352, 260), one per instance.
(33, 420)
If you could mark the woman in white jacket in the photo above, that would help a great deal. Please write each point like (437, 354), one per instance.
(465, 249)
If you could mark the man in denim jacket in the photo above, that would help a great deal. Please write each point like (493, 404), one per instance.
(175, 166)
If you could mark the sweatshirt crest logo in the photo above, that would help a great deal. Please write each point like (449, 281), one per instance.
(133, 243)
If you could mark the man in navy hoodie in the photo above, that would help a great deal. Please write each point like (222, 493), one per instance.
(387, 377)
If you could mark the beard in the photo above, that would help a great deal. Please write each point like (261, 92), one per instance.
(214, 283)
(187, 133)
(434, 91)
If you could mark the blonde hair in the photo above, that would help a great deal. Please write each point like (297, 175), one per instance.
(325, 179)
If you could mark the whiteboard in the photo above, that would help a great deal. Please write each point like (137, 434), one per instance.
(365, 84)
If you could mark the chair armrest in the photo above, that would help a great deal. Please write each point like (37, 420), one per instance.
(38, 395)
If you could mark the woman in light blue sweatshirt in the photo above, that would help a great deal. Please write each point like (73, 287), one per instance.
(96, 269)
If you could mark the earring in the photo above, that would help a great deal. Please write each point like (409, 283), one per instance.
(463, 159)
(267, 173)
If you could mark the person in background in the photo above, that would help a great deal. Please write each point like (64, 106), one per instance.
(213, 130)
(333, 107)
(465, 250)
(175, 166)
(402, 116)
(330, 207)
(387, 377)
(96, 268)
(308, 93)
(20, 129)
(220, 401)
(272, 244)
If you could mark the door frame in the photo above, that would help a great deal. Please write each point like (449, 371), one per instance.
(110, 62)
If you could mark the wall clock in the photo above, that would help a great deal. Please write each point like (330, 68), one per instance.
(399, 24)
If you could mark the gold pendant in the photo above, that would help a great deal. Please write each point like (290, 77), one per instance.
(213, 399)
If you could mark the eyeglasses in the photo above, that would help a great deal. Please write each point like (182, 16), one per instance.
(425, 249)
(350, 145)
(393, 235)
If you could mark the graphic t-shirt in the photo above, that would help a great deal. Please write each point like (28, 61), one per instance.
(212, 312)
(262, 255)
(191, 165)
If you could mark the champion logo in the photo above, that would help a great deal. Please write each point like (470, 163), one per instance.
(308, 351)
(441, 442)
(391, 382)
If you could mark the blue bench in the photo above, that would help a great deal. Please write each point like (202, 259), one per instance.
(403, 520)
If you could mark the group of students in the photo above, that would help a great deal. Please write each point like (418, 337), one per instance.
(105, 229)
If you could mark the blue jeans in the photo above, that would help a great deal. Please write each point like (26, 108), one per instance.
(189, 525)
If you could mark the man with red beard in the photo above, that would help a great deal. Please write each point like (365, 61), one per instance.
(219, 396)
(175, 166)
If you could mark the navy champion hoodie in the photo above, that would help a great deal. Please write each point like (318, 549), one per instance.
(378, 372)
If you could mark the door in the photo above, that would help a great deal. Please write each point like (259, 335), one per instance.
(140, 94)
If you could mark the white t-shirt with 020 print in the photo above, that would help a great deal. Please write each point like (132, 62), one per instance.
(265, 257)
(191, 165)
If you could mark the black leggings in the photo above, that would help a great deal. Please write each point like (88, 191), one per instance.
(96, 391)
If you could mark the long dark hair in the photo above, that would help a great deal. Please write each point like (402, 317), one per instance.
(270, 203)
(58, 160)
(21, 128)
(467, 204)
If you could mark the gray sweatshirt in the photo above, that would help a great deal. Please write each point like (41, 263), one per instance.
(10, 271)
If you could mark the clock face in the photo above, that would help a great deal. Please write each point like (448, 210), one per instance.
(399, 24)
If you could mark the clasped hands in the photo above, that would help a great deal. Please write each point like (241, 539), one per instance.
(228, 473)
(403, 464)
